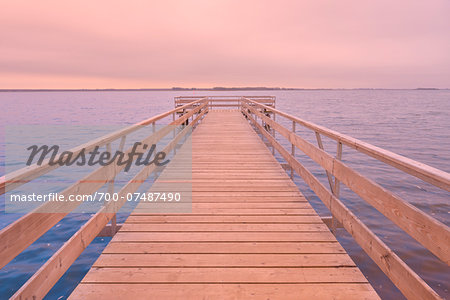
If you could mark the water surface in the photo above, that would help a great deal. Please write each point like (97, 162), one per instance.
(409, 122)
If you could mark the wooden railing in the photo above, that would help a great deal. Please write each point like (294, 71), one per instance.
(225, 101)
(432, 234)
(17, 236)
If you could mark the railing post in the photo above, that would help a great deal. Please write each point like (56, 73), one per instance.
(292, 149)
(337, 186)
(334, 186)
(122, 142)
(273, 134)
(320, 144)
(173, 134)
(111, 187)
(111, 191)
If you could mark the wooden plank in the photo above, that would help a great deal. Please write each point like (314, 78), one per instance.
(222, 227)
(223, 260)
(242, 211)
(170, 187)
(188, 218)
(246, 205)
(211, 247)
(321, 236)
(230, 275)
(239, 205)
(247, 199)
(248, 194)
(342, 291)
(213, 188)
(242, 176)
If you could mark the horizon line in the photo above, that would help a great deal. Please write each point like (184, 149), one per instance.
(203, 89)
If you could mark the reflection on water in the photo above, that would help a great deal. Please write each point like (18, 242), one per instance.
(412, 123)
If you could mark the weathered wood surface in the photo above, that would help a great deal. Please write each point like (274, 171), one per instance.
(251, 234)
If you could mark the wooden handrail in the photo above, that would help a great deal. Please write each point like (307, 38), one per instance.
(226, 101)
(225, 96)
(18, 235)
(24, 175)
(407, 281)
(432, 234)
(420, 170)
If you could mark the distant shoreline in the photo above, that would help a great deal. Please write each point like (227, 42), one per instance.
(213, 89)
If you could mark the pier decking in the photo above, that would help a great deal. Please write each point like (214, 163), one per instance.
(252, 234)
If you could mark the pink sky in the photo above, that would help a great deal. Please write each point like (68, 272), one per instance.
(311, 44)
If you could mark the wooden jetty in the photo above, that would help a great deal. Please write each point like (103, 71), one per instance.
(251, 233)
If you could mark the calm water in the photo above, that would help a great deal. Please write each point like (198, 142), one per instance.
(412, 123)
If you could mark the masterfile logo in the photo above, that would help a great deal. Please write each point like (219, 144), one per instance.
(94, 157)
